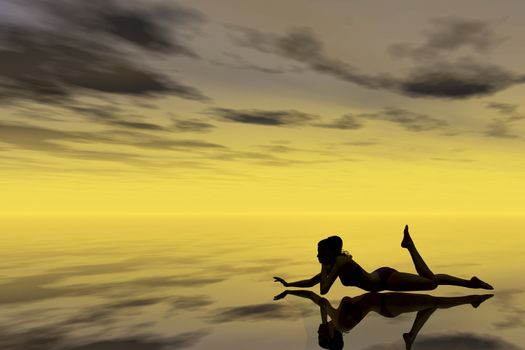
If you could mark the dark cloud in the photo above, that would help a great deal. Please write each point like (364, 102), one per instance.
(155, 26)
(346, 122)
(449, 34)
(73, 54)
(461, 341)
(261, 117)
(411, 121)
(434, 76)
(455, 80)
(436, 79)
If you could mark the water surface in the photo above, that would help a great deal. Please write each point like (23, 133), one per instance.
(205, 282)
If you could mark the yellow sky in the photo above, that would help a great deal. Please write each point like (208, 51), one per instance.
(296, 107)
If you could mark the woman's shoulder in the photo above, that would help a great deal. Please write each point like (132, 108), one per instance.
(344, 259)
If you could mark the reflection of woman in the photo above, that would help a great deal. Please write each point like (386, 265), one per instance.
(336, 263)
(351, 311)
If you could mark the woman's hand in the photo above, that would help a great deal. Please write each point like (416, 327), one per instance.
(280, 296)
(279, 279)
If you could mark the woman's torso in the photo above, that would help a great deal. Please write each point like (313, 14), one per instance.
(352, 274)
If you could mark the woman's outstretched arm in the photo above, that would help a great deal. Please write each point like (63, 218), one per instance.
(301, 293)
(301, 284)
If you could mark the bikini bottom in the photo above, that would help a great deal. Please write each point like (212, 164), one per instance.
(384, 273)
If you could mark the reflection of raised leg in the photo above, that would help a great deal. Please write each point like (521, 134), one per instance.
(421, 267)
(432, 304)
(421, 317)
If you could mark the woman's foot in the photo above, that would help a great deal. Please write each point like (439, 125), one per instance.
(480, 299)
(477, 283)
(409, 340)
(407, 240)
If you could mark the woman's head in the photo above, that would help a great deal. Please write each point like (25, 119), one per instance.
(329, 337)
(329, 249)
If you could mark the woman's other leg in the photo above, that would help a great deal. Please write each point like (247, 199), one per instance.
(402, 281)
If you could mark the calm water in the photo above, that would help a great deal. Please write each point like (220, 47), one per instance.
(205, 282)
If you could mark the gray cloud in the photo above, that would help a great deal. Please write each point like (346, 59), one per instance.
(449, 34)
(360, 143)
(261, 117)
(437, 79)
(503, 108)
(258, 312)
(181, 341)
(238, 62)
(192, 302)
(455, 160)
(300, 44)
(39, 286)
(48, 140)
(192, 125)
(138, 125)
(501, 127)
(346, 122)
(114, 115)
(277, 148)
(54, 142)
(463, 341)
(179, 144)
(460, 341)
(105, 313)
(411, 121)
(78, 51)
(52, 338)
(35, 287)
(510, 307)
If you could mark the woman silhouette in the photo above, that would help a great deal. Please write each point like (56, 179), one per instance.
(337, 263)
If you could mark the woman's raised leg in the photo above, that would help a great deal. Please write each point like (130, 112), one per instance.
(441, 278)
(421, 267)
